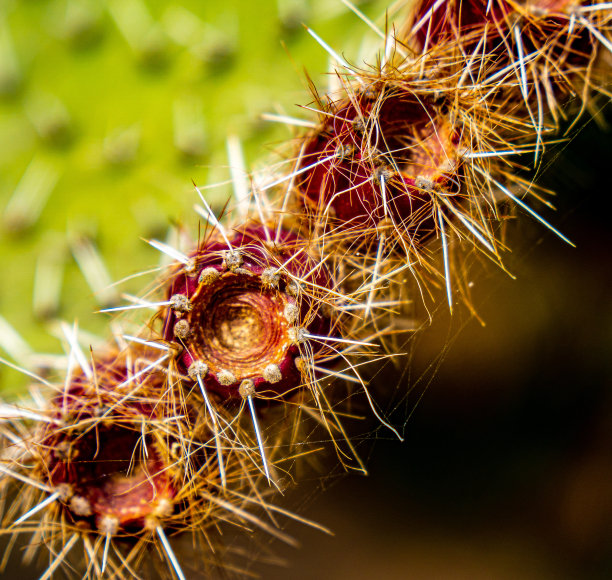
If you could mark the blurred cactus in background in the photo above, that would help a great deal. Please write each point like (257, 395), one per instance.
(284, 311)
(110, 109)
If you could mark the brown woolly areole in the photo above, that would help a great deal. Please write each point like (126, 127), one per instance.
(237, 326)
(232, 318)
(106, 478)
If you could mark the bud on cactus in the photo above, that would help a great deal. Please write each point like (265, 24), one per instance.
(549, 44)
(111, 476)
(378, 158)
(113, 473)
(237, 314)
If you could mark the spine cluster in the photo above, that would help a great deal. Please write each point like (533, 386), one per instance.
(196, 416)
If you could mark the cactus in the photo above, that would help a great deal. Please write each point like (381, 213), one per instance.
(288, 289)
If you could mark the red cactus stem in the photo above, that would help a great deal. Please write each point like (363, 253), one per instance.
(415, 152)
(105, 477)
(255, 320)
(434, 22)
(368, 160)
(402, 158)
(114, 463)
(111, 472)
(550, 44)
(236, 315)
(381, 158)
(239, 315)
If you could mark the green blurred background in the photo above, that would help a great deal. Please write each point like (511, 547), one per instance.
(109, 109)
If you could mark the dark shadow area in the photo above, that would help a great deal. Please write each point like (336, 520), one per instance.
(507, 461)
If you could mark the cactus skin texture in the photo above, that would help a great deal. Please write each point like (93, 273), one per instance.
(272, 323)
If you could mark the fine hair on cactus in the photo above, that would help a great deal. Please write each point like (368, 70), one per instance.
(254, 350)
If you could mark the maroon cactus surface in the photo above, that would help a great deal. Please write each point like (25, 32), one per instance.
(239, 313)
(109, 473)
(544, 25)
(396, 138)
(105, 478)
